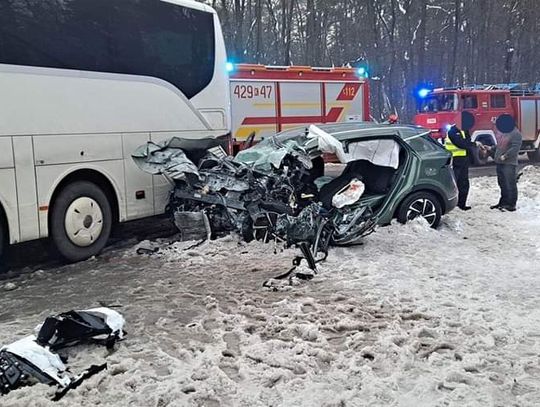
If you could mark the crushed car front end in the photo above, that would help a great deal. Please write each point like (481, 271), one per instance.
(278, 189)
(267, 192)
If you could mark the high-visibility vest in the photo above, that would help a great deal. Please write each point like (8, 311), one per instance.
(453, 149)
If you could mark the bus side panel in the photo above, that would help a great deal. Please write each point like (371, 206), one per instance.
(136, 179)
(6, 157)
(91, 102)
(8, 190)
(26, 187)
(253, 108)
(345, 101)
(77, 148)
(49, 176)
(300, 104)
(8, 200)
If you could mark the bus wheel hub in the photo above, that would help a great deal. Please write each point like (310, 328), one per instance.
(84, 221)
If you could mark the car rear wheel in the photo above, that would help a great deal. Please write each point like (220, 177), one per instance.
(81, 221)
(423, 204)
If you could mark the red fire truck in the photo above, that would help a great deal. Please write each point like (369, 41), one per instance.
(441, 107)
(269, 99)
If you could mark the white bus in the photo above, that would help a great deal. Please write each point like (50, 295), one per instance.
(82, 84)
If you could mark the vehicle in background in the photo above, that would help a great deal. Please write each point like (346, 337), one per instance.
(442, 107)
(270, 99)
(82, 84)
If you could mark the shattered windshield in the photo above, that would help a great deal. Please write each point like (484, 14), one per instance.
(445, 102)
(271, 151)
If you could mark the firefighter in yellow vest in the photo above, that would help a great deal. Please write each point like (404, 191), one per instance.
(458, 143)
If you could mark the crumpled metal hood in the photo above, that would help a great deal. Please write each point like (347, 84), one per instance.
(166, 158)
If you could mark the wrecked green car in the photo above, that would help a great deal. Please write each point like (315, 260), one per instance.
(281, 188)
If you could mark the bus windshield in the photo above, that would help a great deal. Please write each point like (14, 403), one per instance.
(445, 102)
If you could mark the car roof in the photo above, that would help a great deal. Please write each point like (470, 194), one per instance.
(355, 130)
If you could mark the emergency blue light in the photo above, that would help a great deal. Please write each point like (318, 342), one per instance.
(362, 71)
(229, 66)
(448, 127)
(422, 93)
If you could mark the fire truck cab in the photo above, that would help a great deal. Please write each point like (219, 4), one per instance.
(440, 108)
(268, 99)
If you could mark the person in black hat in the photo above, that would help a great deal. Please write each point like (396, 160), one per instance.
(506, 157)
(458, 142)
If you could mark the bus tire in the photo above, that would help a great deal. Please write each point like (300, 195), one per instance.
(534, 156)
(81, 221)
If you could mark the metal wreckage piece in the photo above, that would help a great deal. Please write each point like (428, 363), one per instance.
(267, 194)
(33, 359)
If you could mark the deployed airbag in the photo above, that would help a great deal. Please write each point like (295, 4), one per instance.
(349, 195)
(383, 152)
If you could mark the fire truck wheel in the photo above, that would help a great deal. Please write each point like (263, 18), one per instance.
(81, 221)
(534, 156)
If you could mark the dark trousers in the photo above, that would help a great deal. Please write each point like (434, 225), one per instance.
(461, 172)
(507, 179)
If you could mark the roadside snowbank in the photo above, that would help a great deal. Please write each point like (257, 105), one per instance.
(414, 317)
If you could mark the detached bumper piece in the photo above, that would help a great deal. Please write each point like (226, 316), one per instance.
(33, 359)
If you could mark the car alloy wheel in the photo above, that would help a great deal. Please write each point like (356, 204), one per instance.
(422, 207)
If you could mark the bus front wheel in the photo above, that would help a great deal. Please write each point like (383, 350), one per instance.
(81, 221)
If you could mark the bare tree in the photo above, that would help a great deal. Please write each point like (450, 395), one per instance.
(405, 42)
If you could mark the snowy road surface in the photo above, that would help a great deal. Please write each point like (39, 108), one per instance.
(415, 317)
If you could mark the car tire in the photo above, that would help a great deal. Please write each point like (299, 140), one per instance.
(534, 156)
(81, 221)
(421, 203)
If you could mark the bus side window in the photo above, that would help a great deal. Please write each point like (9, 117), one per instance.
(156, 39)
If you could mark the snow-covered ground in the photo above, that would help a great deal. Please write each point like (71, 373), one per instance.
(414, 317)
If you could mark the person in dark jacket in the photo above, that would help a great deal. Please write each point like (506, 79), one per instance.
(458, 142)
(506, 157)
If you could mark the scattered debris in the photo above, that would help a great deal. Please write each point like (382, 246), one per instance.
(97, 325)
(10, 286)
(146, 247)
(33, 359)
